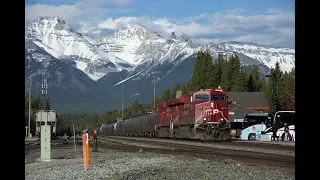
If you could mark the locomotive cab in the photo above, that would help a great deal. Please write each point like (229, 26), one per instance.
(211, 106)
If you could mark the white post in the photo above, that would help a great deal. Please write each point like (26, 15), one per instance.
(74, 138)
(29, 112)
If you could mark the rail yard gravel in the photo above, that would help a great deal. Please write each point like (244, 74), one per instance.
(67, 163)
(232, 146)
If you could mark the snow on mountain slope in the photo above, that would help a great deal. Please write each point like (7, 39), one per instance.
(125, 42)
(135, 44)
(146, 49)
(165, 49)
(138, 50)
(160, 57)
(60, 40)
(214, 50)
(267, 55)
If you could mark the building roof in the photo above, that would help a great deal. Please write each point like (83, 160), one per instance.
(248, 99)
(239, 112)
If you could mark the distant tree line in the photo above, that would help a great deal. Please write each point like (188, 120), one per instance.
(223, 72)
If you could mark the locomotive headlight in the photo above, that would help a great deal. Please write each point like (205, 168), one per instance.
(212, 104)
(204, 119)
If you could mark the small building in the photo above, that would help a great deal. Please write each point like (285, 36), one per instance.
(46, 117)
(238, 112)
(250, 100)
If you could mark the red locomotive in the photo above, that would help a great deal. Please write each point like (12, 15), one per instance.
(200, 115)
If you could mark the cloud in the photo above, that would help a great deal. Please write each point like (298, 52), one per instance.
(83, 15)
(114, 24)
(274, 11)
(103, 2)
(232, 25)
(275, 27)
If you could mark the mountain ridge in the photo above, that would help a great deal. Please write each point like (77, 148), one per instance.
(133, 45)
(132, 56)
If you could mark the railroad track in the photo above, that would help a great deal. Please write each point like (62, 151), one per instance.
(254, 144)
(260, 145)
(283, 147)
(257, 158)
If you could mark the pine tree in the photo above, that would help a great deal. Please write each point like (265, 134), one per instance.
(250, 84)
(197, 75)
(278, 83)
(235, 66)
(279, 102)
(226, 81)
(254, 81)
(208, 71)
(268, 91)
(288, 93)
(202, 72)
(240, 84)
(217, 71)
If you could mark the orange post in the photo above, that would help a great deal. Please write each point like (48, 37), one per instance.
(85, 145)
(87, 148)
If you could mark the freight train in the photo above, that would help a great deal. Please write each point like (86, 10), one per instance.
(200, 115)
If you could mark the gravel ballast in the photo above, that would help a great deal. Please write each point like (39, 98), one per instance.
(231, 146)
(66, 163)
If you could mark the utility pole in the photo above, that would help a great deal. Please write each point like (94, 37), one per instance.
(44, 92)
(154, 92)
(44, 87)
(122, 101)
(273, 76)
(29, 112)
(74, 138)
(273, 89)
(38, 101)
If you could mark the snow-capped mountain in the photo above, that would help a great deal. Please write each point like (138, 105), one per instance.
(69, 89)
(135, 48)
(267, 55)
(62, 42)
(133, 55)
(145, 49)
